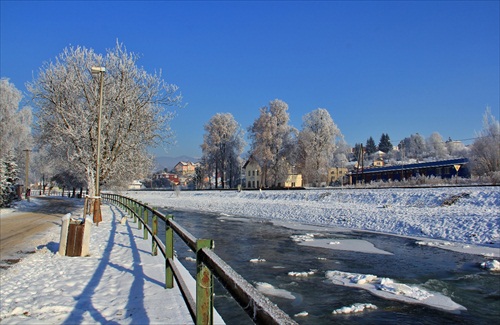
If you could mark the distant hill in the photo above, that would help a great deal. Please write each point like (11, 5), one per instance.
(170, 162)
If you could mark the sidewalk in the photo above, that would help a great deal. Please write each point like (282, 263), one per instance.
(120, 283)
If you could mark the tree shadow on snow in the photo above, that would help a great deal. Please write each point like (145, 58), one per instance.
(135, 310)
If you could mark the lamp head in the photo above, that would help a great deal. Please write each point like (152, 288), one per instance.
(98, 69)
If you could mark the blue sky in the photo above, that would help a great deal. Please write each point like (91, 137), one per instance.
(391, 67)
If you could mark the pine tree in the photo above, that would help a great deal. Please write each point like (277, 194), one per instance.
(385, 144)
(371, 148)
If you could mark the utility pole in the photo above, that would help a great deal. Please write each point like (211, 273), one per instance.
(26, 180)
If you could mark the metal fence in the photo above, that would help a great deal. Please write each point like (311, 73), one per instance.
(208, 266)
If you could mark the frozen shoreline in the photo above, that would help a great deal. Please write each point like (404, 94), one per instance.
(471, 225)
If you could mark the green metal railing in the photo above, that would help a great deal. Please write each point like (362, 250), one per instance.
(208, 266)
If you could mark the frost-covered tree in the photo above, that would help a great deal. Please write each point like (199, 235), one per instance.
(456, 148)
(318, 139)
(413, 147)
(15, 137)
(485, 150)
(222, 145)
(385, 144)
(341, 153)
(8, 177)
(136, 111)
(436, 147)
(270, 135)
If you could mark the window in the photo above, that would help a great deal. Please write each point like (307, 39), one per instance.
(248, 173)
(257, 183)
(257, 172)
(253, 172)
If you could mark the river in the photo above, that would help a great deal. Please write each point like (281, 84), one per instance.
(239, 240)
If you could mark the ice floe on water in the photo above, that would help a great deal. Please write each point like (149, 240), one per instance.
(389, 289)
(257, 260)
(355, 308)
(302, 238)
(352, 245)
(302, 274)
(302, 314)
(492, 265)
(269, 290)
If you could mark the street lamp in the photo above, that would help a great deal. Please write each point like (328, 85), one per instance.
(97, 203)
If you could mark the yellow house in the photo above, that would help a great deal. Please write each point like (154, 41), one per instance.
(379, 159)
(293, 180)
(336, 173)
(253, 175)
(185, 168)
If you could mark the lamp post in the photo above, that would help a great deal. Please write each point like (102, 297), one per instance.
(97, 202)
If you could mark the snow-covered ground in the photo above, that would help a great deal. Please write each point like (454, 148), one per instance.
(122, 283)
(119, 283)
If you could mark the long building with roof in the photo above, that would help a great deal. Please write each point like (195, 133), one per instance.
(443, 169)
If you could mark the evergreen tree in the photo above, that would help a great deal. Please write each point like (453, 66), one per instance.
(385, 144)
(371, 148)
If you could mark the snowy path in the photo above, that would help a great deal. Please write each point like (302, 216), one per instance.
(120, 283)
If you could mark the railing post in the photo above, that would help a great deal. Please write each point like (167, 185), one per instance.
(169, 252)
(140, 210)
(146, 222)
(204, 286)
(154, 248)
(134, 210)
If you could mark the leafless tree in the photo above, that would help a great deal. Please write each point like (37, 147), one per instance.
(137, 109)
(485, 151)
(271, 135)
(318, 140)
(222, 146)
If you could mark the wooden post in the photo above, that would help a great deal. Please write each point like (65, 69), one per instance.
(97, 211)
(140, 213)
(204, 286)
(146, 222)
(154, 248)
(169, 252)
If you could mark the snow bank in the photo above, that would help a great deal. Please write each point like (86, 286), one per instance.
(418, 212)
(389, 289)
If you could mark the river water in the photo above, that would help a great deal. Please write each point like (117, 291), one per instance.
(239, 240)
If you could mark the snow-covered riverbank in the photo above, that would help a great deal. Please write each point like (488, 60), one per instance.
(474, 219)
